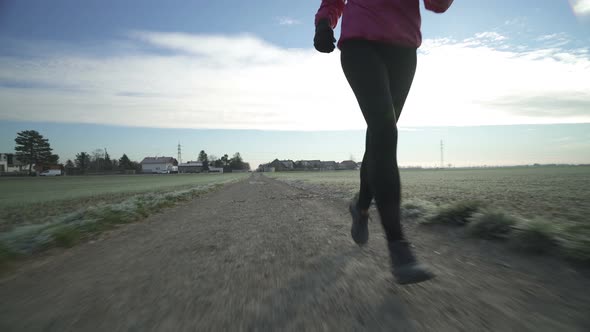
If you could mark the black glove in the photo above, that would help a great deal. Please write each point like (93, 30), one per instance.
(324, 40)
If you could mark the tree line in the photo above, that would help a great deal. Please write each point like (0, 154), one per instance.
(236, 162)
(33, 149)
(100, 161)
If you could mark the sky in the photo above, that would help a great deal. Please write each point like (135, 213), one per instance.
(138, 77)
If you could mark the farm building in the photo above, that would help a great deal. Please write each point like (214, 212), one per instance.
(158, 164)
(191, 167)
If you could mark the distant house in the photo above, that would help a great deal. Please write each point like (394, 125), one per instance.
(265, 168)
(329, 165)
(158, 164)
(308, 164)
(348, 165)
(282, 165)
(9, 163)
(191, 167)
(288, 164)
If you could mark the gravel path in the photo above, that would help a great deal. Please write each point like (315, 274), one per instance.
(262, 256)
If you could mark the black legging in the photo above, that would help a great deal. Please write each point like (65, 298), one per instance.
(380, 76)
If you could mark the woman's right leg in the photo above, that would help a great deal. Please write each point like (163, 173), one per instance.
(368, 77)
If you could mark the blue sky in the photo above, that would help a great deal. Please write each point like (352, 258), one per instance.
(231, 72)
(102, 21)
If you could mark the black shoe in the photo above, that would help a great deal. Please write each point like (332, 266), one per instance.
(359, 229)
(406, 268)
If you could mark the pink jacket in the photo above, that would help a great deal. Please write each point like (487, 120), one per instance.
(391, 21)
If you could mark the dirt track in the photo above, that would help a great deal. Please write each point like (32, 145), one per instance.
(260, 255)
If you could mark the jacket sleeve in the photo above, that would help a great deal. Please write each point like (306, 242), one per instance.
(330, 9)
(438, 6)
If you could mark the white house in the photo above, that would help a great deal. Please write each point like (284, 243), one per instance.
(9, 163)
(158, 164)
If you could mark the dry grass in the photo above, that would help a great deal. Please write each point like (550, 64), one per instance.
(69, 229)
(30, 201)
(538, 209)
(491, 224)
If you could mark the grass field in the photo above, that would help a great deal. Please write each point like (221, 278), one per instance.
(33, 200)
(551, 192)
(42, 213)
(536, 209)
(548, 206)
(44, 189)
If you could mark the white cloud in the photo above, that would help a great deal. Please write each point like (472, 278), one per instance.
(482, 85)
(553, 36)
(517, 21)
(494, 36)
(242, 82)
(554, 40)
(288, 21)
(581, 7)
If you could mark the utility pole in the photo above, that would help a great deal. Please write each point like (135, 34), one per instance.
(442, 165)
(179, 153)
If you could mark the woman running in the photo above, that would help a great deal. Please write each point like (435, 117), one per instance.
(378, 44)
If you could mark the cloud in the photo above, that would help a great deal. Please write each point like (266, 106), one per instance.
(215, 50)
(482, 84)
(581, 7)
(521, 21)
(568, 106)
(179, 80)
(237, 82)
(288, 21)
(554, 40)
(494, 36)
(554, 36)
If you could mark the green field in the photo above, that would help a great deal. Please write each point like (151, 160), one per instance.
(33, 200)
(555, 193)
